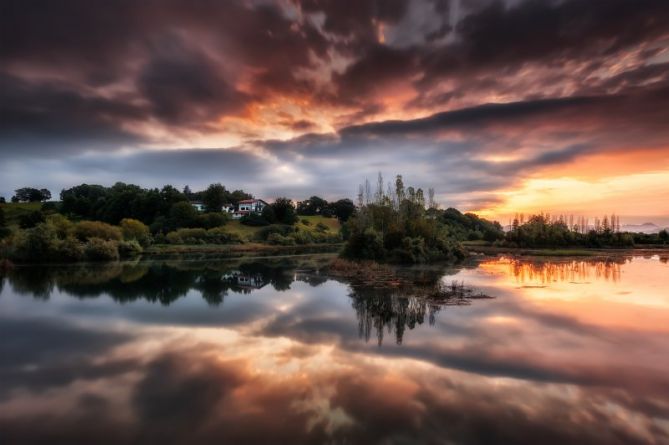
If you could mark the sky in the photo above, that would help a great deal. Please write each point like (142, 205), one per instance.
(502, 107)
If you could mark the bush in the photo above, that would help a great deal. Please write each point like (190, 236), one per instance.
(302, 237)
(217, 235)
(70, 249)
(98, 249)
(186, 236)
(32, 219)
(280, 240)
(133, 229)
(61, 225)
(212, 220)
(129, 249)
(36, 244)
(264, 233)
(364, 245)
(86, 230)
(305, 221)
(320, 227)
(253, 219)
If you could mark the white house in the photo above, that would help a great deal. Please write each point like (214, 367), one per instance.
(198, 205)
(249, 206)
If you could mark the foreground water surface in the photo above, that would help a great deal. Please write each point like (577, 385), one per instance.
(569, 351)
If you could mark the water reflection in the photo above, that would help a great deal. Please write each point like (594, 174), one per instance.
(573, 270)
(196, 355)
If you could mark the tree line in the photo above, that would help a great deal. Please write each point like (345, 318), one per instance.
(397, 223)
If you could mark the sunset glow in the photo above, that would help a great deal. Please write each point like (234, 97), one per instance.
(566, 114)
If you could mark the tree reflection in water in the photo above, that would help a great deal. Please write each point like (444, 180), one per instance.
(377, 310)
(570, 270)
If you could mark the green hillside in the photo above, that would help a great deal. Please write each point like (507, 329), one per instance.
(13, 211)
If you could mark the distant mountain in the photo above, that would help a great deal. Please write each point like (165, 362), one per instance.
(648, 227)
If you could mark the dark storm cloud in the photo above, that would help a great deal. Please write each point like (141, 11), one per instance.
(78, 77)
(184, 86)
(50, 117)
(58, 354)
(548, 32)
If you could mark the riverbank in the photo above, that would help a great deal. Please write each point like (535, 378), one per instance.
(234, 250)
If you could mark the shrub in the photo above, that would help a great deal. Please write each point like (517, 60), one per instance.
(305, 221)
(129, 249)
(320, 227)
(133, 229)
(253, 219)
(61, 225)
(32, 219)
(70, 249)
(187, 236)
(264, 233)
(211, 220)
(98, 249)
(38, 243)
(302, 237)
(367, 244)
(280, 240)
(218, 235)
(86, 230)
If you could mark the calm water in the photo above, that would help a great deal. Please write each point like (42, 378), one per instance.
(271, 351)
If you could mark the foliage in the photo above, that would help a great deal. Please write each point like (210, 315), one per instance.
(278, 239)
(343, 209)
(211, 220)
(217, 235)
(134, 230)
(214, 197)
(253, 219)
(29, 194)
(98, 249)
(30, 220)
(4, 230)
(312, 206)
(469, 226)
(543, 231)
(129, 248)
(281, 229)
(284, 211)
(395, 226)
(87, 230)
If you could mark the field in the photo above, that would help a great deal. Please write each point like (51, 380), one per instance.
(249, 232)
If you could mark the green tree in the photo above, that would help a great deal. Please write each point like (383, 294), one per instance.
(664, 236)
(343, 209)
(29, 194)
(312, 206)
(214, 197)
(182, 214)
(284, 211)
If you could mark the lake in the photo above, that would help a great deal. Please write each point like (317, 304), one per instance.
(569, 351)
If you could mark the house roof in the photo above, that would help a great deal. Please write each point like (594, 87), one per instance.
(251, 201)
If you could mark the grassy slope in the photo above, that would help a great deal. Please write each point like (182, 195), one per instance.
(13, 211)
(249, 232)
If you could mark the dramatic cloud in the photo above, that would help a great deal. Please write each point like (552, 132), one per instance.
(475, 98)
